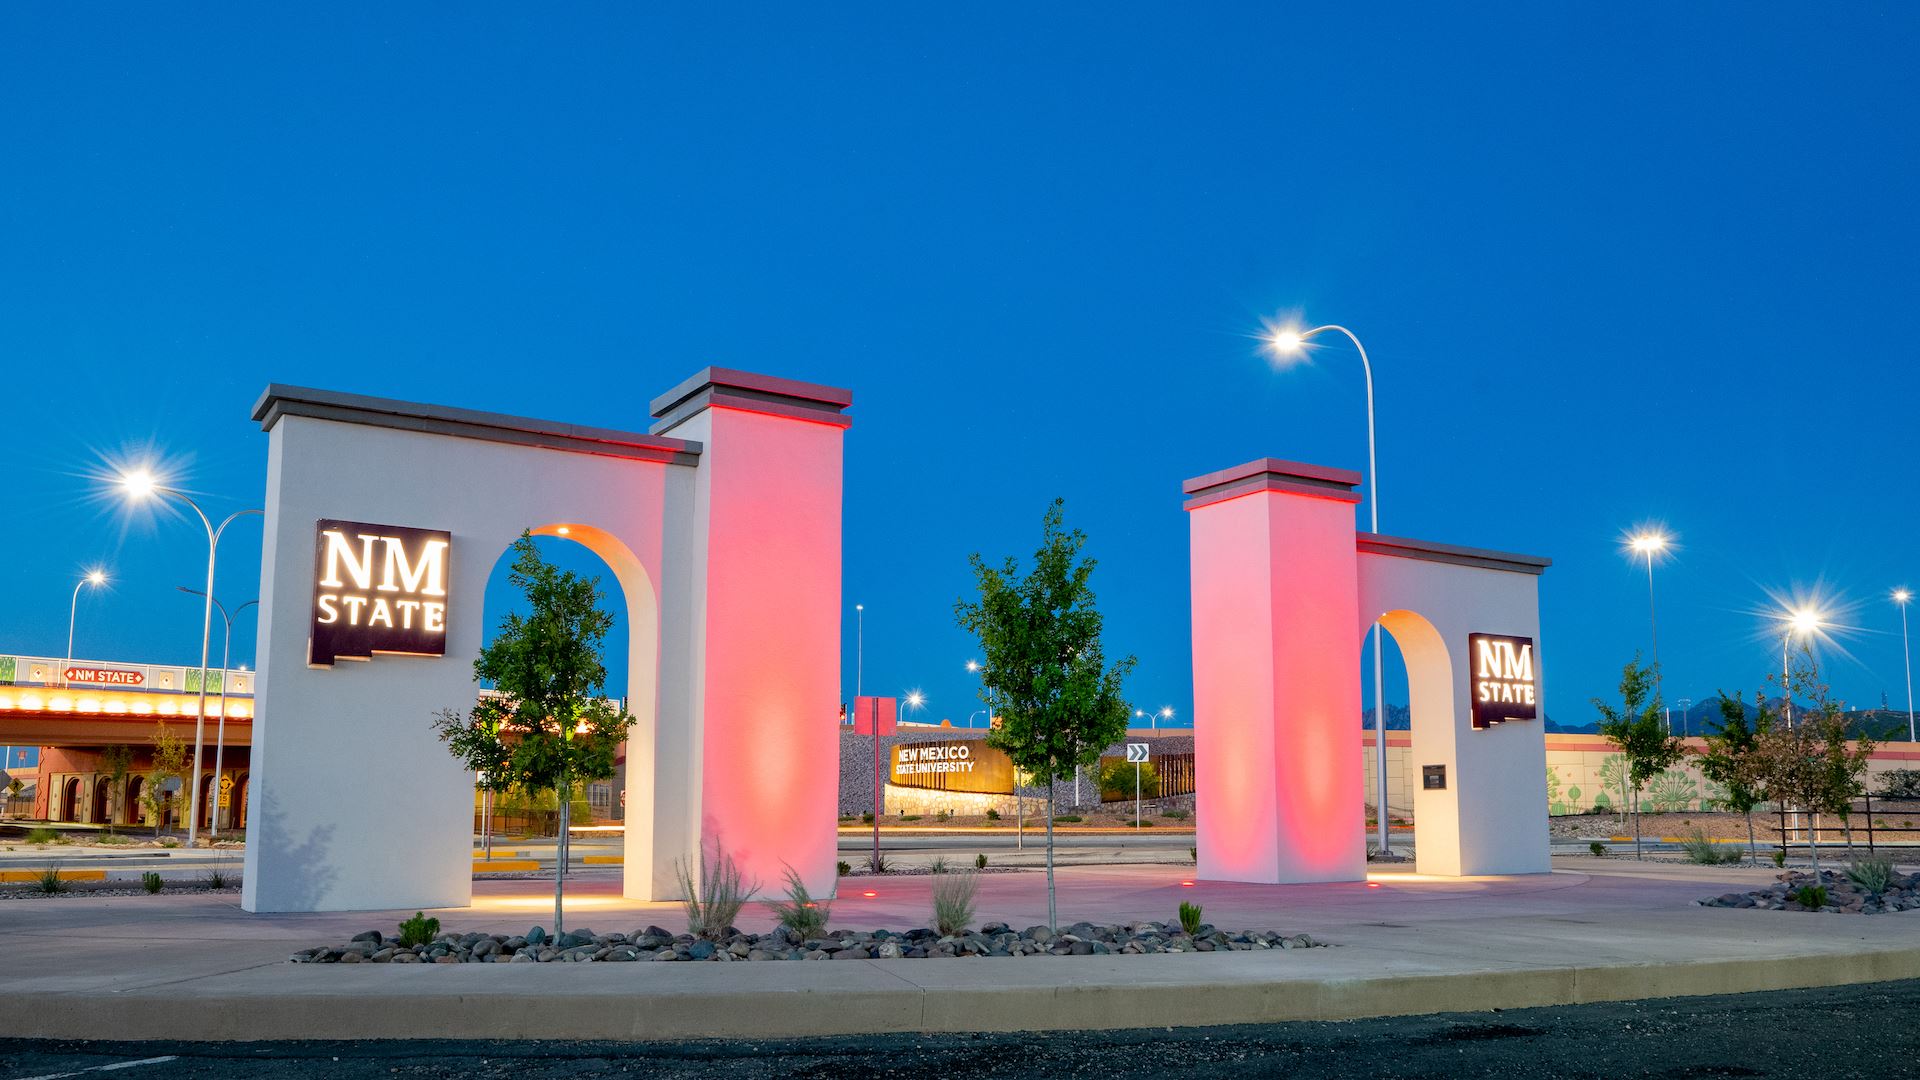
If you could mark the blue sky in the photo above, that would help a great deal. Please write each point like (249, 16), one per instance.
(1614, 264)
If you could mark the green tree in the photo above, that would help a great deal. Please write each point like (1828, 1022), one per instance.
(1807, 761)
(1046, 674)
(1637, 729)
(169, 762)
(116, 762)
(1732, 757)
(544, 724)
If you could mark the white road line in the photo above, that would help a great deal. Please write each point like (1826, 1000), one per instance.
(102, 1068)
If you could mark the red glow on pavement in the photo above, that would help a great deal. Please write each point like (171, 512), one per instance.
(869, 892)
(1186, 884)
(1373, 884)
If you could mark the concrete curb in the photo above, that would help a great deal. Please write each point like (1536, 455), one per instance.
(623, 1002)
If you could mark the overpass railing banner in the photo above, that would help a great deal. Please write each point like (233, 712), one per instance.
(116, 675)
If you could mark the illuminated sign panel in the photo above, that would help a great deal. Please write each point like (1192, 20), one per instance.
(378, 589)
(100, 676)
(970, 765)
(1503, 686)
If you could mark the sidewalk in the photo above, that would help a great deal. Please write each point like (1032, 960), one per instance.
(1599, 929)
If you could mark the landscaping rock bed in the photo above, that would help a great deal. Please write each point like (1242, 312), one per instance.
(1843, 896)
(655, 944)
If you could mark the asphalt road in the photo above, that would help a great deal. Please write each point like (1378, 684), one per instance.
(1845, 1032)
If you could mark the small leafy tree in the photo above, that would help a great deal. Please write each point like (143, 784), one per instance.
(1636, 728)
(545, 725)
(1732, 758)
(1117, 780)
(169, 762)
(1046, 674)
(1808, 761)
(116, 762)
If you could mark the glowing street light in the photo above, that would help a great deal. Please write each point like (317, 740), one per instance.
(95, 578)
(140, 484)
(1288, 342)
(1650, 544)
(1165, 712)
(1804, 621)
(1900, 597)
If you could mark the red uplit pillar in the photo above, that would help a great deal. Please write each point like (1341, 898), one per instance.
(1276, 674)
(759, 539)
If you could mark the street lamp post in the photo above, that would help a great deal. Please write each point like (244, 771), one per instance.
(1649, 545)
(913, 700)
(138, 485)
(859, 647)
(220, 730)
(1900, 597)
(95, 578)
(1288, 342)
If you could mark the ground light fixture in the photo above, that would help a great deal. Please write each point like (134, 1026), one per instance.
(1287, 343)
(138, 485)
(96, 578)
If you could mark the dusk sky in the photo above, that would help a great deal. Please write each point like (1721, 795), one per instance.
(1614, 265)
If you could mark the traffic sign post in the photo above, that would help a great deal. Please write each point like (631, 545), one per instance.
(1136, 756)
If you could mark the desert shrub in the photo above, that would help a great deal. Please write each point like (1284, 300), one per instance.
(1872, 873)
(979, 862)
(721, 892)
(938, 865)
(800, 912)
(51, 882)
(1194, 854)
(909, 817)
(1116, 781)
(169, 842)
(953, 901)
(42, 836)
(1190, 918)
(151, 882)
(1067, 819)
(1704, 851)
(866, 818)
(845, 868)
(1177, 814)
(1145, 823)
(1780, 857)
(992, 814)
(1811, 897)
(1596, 847)
(1900, 784)
(112, 838)
(418, 930)
(880, 863)
(217, 879)
(944, 815)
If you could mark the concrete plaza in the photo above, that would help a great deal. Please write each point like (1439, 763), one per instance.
(196, 967)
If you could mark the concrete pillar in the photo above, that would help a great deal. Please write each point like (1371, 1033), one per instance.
(762, 664)
(1276, 674)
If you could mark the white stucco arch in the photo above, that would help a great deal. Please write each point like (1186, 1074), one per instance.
(359, 805)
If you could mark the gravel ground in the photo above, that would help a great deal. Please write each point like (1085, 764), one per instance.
(1840, 1032)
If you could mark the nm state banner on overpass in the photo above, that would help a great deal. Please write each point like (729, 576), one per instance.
(958, 765)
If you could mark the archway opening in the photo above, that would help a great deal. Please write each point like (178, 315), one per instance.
(131, 812)
(102, 807)
(1424, 742)
(630, 654)
(70, 800)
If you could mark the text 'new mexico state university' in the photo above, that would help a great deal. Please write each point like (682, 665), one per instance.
(378, 589)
